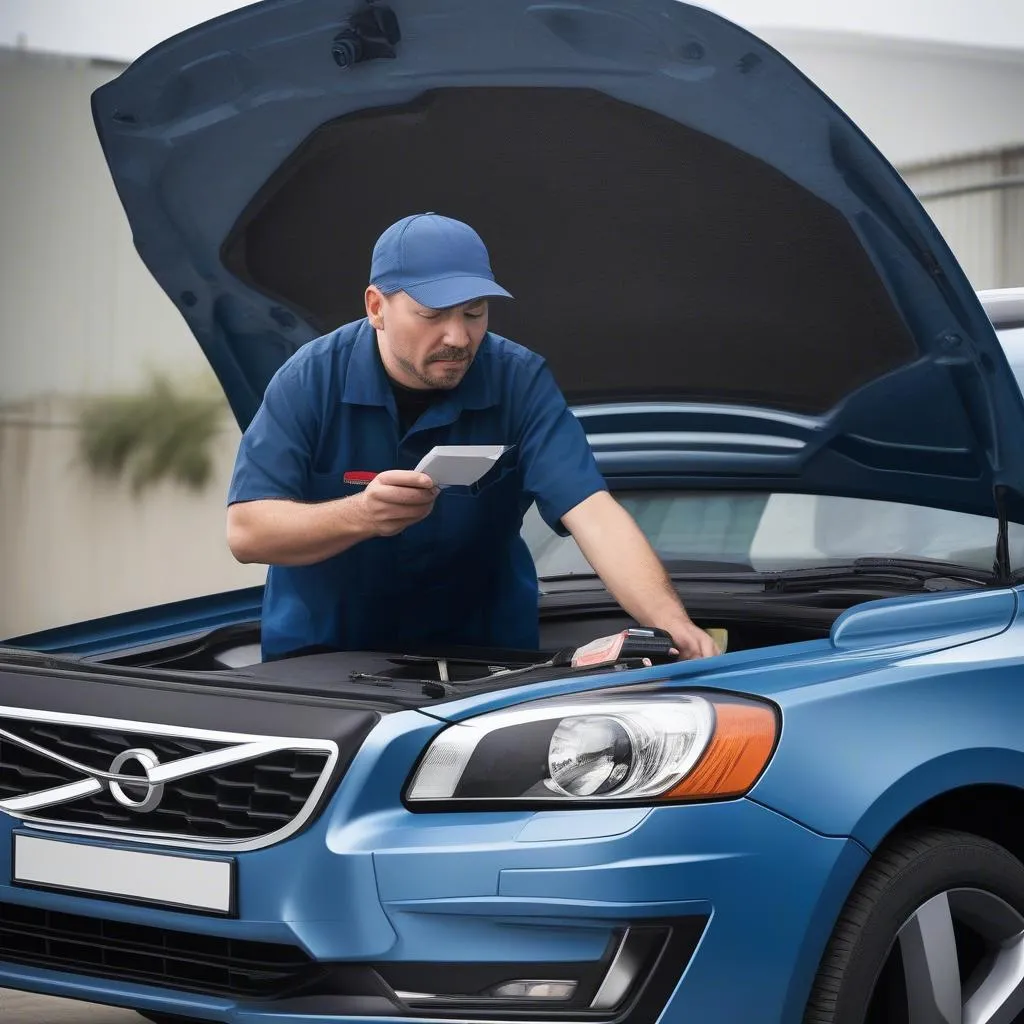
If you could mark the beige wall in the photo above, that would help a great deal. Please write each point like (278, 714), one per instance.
(72, 547)
(80, 316)
(79, 313)
(918, 102)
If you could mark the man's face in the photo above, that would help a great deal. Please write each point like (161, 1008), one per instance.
(423, 347)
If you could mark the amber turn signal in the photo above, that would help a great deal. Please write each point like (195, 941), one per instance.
(743, 741)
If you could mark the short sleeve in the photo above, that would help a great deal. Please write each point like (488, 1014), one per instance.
(276, 450)
(557, 465)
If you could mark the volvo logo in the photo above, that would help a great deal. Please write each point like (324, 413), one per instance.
(136, 778)
(151, 793)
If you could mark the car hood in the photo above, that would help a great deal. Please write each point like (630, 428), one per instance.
(725, 276)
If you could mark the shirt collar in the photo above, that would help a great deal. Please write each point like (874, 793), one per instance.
(366, 382)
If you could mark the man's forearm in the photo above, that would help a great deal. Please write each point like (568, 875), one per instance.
(616, 547)
(278, 532)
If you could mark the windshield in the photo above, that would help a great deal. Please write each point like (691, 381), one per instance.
(1012, 339)
(745, 530)
(698, 531)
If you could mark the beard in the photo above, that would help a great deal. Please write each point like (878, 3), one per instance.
(446, 379)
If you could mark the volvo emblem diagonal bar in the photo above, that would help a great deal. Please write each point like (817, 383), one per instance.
(156, 773)
(139, 782)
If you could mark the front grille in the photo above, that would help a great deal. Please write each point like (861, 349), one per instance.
(235, 802)
(155, 956)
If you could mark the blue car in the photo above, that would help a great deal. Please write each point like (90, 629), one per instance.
(788, 380)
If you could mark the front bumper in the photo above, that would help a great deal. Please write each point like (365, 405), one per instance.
(446, 904)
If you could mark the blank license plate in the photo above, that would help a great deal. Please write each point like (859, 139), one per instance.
(172, 880)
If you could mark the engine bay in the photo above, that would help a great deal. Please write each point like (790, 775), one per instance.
(230, 655)
(227, 658)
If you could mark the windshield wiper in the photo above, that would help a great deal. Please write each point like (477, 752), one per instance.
(678, 568)
(906, 570)
(863, 570)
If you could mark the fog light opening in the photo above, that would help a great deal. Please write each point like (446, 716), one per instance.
(638, 969)
(524, 990)
(534, 989)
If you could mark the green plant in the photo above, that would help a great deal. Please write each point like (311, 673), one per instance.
(157, 434)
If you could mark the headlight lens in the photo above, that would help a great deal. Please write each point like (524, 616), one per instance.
(588, 755)
(594, 749)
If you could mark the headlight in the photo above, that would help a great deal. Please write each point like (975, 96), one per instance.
(600, 749)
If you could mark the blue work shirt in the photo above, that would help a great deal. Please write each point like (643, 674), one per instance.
(463, 575)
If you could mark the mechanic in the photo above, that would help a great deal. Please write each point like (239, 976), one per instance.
(367, 554)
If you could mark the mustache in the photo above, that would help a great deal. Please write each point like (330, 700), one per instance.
(450, 355)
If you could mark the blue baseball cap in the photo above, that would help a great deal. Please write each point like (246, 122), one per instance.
(440, 262)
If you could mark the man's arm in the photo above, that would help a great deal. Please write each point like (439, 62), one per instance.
(277, 531)
(560, 472)
(616, 547)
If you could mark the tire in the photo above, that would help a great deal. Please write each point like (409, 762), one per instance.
(936, 922)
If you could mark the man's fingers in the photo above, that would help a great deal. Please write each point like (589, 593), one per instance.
(702, 645)
(392, 519)
(708, 647)
(406, 513)
(402, 495)
(396, 499)
(695, 643)
(404, 478)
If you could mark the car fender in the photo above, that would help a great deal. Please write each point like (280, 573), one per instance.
(857, 755)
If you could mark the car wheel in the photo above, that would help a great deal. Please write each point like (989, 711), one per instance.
(933, 933)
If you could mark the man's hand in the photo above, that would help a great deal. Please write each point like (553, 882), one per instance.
(395, 499)
(621, 555)
(692, 642)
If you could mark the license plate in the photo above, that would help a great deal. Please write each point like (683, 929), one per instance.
(175, 881)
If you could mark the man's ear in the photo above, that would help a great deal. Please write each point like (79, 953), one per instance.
(374, 301)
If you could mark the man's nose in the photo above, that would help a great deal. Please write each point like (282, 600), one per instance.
(457, 333)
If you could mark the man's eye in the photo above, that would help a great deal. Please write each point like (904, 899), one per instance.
(429, 315)
(474, 314)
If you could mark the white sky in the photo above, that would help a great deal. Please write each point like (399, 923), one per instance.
(122, 29)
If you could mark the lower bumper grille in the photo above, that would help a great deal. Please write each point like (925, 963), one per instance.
(129, 952)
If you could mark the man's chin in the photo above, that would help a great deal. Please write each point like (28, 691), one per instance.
(448, 378)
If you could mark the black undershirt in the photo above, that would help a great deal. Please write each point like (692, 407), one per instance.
(411, 403)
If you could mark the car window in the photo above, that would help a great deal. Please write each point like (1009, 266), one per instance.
(1012, 339)
(775, 531)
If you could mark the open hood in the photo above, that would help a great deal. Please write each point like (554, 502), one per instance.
(715, 262)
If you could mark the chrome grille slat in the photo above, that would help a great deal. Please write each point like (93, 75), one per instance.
(230, 791)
